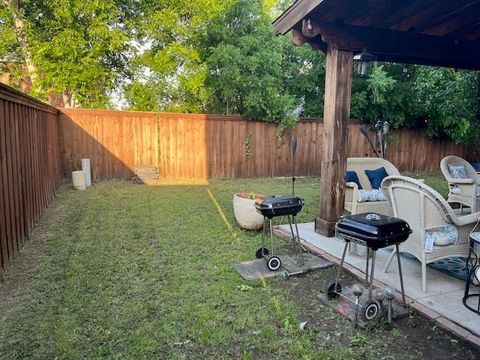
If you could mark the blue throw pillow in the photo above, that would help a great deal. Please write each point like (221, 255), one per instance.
(351, 176)
(376, 176)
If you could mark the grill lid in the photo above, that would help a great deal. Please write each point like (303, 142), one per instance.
(373, 227)
(278, 201)
(279, 205)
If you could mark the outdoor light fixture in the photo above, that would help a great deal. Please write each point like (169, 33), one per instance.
(363, 63)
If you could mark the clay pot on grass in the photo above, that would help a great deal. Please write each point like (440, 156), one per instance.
(245, 212)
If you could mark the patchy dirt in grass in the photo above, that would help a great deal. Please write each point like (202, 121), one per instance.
(413, 337)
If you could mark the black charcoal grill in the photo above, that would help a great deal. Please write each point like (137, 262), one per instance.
(280, 205)
(374, 231)
(274, 206)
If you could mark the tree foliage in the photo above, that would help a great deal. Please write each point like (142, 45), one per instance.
(443, 102)
(79, 49)
(273, 79)
(247, 65)
(170, 74)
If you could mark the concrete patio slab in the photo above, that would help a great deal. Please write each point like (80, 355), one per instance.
(292, 264)
(441, 303)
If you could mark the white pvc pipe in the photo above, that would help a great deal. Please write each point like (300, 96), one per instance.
(86, 170)
(78, 179)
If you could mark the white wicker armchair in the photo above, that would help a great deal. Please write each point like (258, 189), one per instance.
(425, 209)
(463, 191)
(359, 165)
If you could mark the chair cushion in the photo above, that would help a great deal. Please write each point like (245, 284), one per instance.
(371, 195)
(351, 176)
(440, 236)
(456, 190)
(457, 171)
(376, 176)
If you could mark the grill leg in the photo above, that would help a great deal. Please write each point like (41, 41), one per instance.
(370, 288)
(296, 237)
(341, 264)
(301, 249)
(366, 269)
(389, 260)
(291, 227)
(296, 230)
(271, 235)
(401, 276)
(264, 231)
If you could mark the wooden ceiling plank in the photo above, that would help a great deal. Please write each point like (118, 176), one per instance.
(390, 44)
(474, 34)
(463, 34)
(338, 10)
(451, 11)
(432, 10)
(376, 11)
(412, 8)
(463, 21)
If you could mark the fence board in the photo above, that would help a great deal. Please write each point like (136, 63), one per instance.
(30, 167)
(4, 231)
(212, 146)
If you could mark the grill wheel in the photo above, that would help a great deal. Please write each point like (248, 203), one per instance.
(331, 291)
(371, 310)
(274, 263)
(262, 252)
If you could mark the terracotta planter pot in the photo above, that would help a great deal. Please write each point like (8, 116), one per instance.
(245, 212)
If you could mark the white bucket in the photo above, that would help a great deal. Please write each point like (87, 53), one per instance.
(87, 172)
(78, 179)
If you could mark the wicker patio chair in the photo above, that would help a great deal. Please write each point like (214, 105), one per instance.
(463, 188)
(359, 165)
(426, 210)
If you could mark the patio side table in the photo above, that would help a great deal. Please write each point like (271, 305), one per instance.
(473, 273)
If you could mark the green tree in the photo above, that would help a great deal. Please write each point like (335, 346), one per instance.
(386, 94)
(448, 99)
(442, 102)
(255, 74)
(77, 49)
(170, 74)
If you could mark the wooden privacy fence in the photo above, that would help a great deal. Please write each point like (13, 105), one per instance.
(212, 146)
(39, 144)
(29, 166)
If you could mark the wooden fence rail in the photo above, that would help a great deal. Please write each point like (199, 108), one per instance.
(30, 168)
(212, 146)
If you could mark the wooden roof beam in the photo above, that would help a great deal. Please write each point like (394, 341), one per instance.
(391, 45)
(294, 15)
(299, 40)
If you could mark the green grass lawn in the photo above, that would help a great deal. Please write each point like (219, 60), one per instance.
(123, 271)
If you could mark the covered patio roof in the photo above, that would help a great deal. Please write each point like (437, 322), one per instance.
(438, 33)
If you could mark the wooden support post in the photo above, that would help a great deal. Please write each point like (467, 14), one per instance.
(338, 86)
